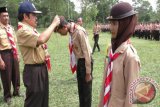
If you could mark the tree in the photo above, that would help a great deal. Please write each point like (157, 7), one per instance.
(144, 10)
(89, 11)
(104, 7)
(157, 13)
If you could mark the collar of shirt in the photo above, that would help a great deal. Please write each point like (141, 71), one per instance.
(122, 47)
(26, 26)
(3, 26)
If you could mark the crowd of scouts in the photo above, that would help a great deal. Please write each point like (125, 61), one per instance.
(148, 30)
(122, 63)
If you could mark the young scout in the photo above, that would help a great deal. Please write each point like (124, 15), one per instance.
(82, 50)
(123, 62)
(96, 31)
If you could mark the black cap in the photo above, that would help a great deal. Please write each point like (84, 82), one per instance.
(121, 10)
(27, 7)
(3, 9)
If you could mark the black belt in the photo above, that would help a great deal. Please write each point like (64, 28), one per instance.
(6, 51)
(81, 59)
(41, 64)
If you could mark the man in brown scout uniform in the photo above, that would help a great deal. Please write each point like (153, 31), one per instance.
(80, 21)
(9, 58)
(96, 31)
(82, 51)
(35, 55)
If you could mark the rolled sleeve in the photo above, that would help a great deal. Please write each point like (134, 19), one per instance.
(27, 38)
(131, 72)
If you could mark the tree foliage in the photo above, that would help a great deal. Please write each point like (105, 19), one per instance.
(92, 10)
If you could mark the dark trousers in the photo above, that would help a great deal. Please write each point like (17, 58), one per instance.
(10, 74)
(84, 88)
(35, 78)
(96, 38)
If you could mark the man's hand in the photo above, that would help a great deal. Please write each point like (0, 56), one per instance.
(56, 20)
(2, 65)
(18, 58)
(88, 77)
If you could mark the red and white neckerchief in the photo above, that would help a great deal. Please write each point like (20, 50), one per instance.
(47, 57)
(73, 61)
(108, 79)
(9, 32)
(44, 46)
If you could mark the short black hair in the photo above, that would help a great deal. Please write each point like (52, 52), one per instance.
(21, 17)
(63, 22)
(3, 9)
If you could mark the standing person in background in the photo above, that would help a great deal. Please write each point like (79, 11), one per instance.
(35, 55)
(82, 51)
(80, 21)
(96, 31)
(9, 58)
(123, 62)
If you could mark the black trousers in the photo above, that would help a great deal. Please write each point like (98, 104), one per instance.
(96, 38)
(10, 74)
(84, 88)
(35, 78)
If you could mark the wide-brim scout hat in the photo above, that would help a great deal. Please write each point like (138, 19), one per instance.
(121, 10)
(3, 9)
(27, 7)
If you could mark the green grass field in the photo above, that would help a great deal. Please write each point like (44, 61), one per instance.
(62, 84)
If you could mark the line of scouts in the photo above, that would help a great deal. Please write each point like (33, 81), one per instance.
(36, 58)
(149, 31)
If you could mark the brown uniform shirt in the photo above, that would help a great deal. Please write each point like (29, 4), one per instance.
(81, 46)
(96, 29)
(4, 41)
(27, 41)
(125, 70)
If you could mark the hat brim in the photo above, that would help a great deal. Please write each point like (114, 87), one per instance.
(122, 16)
(37, 12)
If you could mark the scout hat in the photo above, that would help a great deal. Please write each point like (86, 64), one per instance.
(3, 9)
(27, 7)
(121, 10)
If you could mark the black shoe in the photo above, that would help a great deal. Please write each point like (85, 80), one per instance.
(8, 101)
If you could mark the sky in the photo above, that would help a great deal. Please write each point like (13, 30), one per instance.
(152, 2)
(78, 4)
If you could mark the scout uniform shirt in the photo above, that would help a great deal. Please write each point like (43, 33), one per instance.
(96, 29)
(81, 46)
(4, 41)
(27, 41)
(125, 70)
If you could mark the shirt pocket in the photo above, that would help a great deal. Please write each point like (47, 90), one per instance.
(4, 40)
